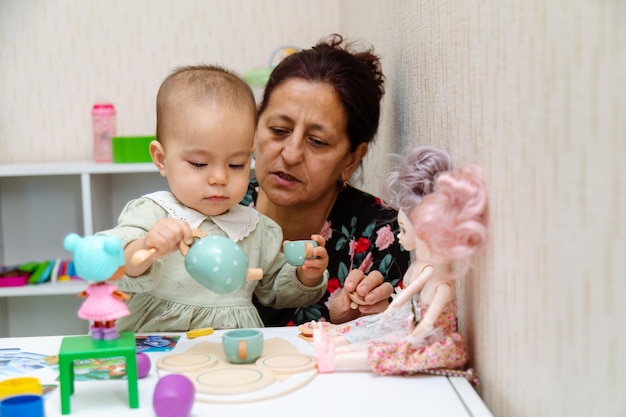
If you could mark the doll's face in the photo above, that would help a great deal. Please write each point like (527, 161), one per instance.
(406, 236)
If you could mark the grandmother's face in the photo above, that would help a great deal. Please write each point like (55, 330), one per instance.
(302, 149)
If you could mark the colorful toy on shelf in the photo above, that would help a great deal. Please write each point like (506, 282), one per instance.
(443, 219)
(100, 259)
(28, 273)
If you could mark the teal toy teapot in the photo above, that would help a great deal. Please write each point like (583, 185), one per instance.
(216, 262)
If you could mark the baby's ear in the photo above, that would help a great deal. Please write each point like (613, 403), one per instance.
(71, 242)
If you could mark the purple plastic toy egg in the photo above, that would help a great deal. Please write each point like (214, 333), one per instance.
(143, 365)
(173, 396)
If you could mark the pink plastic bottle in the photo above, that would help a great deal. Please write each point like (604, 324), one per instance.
(104, 128)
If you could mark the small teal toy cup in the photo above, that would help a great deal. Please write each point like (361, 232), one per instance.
(297, 251)
(243, 345)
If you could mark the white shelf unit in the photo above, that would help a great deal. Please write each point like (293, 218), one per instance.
(39, 205)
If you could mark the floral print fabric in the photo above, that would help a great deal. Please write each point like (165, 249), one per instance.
(403, 358)
(360, 233)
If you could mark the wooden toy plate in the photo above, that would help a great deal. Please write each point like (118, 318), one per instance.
(287, 364)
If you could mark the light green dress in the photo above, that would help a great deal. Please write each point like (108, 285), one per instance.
(166, 298)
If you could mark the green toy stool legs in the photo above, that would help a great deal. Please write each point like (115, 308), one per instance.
(85, 347)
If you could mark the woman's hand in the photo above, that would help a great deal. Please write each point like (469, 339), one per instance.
(371, 288)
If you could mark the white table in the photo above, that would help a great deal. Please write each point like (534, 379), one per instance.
(339, 393)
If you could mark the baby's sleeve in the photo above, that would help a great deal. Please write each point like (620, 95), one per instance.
(136, 218)
(280, 287)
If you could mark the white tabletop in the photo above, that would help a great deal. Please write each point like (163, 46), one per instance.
(339, 393)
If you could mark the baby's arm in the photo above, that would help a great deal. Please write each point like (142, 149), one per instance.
(311, 273)
(163, 238)
(443, 295)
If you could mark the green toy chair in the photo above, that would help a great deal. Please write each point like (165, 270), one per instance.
(85, 347)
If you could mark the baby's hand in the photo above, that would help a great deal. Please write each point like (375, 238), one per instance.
(311, 272)
(164, 237)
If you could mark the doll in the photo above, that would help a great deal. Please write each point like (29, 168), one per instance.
(99, 259)
(403, 190)
(417, 333)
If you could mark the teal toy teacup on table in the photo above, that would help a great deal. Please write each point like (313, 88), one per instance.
(297, 251)
(242, 345)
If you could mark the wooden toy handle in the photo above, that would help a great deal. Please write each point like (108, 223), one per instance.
(141, 255)
(254, 274)
(357, 300)
(308, 250)
(242, 349)
(184, 248)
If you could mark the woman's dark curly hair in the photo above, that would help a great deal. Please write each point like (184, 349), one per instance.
(356, 76)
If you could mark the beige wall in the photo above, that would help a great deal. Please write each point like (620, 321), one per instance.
(57, 57)
(530, 89)
(533, 91)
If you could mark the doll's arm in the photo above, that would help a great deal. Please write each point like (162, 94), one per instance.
(413, 288)
(443, 295)
(120, 295)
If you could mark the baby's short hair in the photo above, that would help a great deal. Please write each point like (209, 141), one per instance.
(203, 83)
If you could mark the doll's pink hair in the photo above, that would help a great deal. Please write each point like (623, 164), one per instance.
(452, 220)
(414, 177)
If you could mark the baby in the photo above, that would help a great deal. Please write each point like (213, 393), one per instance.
(206, 119)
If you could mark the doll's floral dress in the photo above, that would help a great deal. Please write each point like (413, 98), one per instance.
(402, 357)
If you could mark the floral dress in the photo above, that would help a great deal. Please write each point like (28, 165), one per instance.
(402, 357)
(360, 234)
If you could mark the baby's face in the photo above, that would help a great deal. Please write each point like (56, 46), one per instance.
(206, 155)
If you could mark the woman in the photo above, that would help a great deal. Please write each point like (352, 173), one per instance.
(320, 112)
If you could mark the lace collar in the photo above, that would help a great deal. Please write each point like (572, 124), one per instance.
(238, 222)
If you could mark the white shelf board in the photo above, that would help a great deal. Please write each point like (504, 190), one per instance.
(72, 168)
(47, 288)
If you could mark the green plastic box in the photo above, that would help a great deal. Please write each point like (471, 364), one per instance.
(132, 149)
